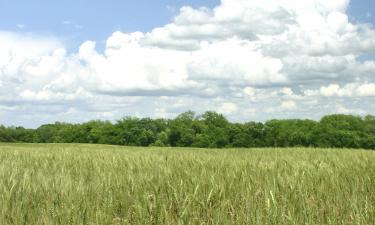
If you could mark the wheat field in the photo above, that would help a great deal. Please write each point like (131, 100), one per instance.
(97, 184)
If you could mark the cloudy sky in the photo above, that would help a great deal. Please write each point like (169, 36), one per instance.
(77, 60)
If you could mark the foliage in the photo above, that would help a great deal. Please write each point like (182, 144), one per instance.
(210, 130)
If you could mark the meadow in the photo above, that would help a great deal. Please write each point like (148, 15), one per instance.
(98, 184)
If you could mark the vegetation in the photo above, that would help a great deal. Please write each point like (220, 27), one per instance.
(96, 184)
(210, 130)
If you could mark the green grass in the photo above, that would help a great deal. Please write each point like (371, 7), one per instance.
(95, 184)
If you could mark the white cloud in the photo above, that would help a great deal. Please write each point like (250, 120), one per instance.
(228, 108)
(343, 110)
(349, 90)
(249, 91)
(366, 90)
(283, 53)
(289, 105)
(333, 90)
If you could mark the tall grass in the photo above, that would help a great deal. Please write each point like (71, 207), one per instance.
(93, 184)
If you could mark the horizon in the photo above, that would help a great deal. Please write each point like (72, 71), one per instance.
(197, 117)
(250, 61)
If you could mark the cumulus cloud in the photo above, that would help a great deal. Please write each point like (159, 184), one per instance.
(228, 108)
(288, 105)
(349, 90)
(238, 55)
(343, 110)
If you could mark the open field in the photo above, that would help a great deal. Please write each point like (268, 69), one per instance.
(96, 184)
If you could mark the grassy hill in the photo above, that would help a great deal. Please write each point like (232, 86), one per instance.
(97, 184)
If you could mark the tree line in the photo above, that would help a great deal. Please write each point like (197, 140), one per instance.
(209, 130)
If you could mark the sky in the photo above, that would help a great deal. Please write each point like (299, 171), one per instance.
(80, 60)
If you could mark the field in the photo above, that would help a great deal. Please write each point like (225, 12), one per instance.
(96, 184)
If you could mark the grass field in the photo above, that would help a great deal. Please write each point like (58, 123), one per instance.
(94, 184)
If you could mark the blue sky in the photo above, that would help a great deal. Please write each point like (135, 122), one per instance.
(363, 10)
(77, 60)
(78, 20)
